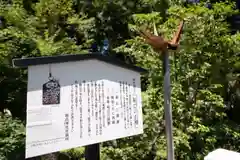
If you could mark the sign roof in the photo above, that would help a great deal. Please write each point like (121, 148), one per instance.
(25, 62)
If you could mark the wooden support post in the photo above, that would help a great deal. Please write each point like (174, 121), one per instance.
(92, 152)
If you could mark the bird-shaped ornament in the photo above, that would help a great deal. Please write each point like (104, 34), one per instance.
(158, 43)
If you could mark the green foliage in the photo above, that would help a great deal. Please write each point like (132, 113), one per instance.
(75, 153)
(12, 133)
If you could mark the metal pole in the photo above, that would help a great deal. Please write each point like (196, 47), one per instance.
(92, 152)
(167, 106)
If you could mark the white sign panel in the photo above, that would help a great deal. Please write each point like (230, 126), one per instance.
(75, 104)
